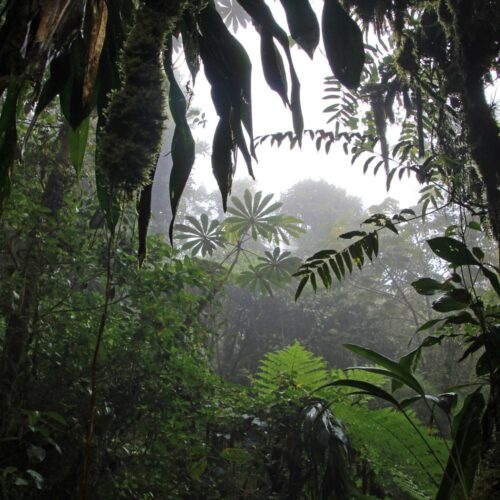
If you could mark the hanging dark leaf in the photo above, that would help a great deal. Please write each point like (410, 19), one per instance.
(262, 15)
(73, 106)
(59, 74)
(303, 24)
(190, 45)
(228, 70)
(272, 64)
(143, 218)
(344, 46)
(77, 142)
(222, 160)
(183, 147)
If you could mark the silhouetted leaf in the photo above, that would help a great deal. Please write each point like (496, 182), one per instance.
(427, 286)
(447, 303)
(143, 218)
(452, 251)
(272, 64)
(300, 288)
(303, 24)
(182, 149)
(344, 46)
(352, 234)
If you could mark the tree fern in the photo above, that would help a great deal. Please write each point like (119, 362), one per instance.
(292, 368)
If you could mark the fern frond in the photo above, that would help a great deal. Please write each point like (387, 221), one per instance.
(290, 368)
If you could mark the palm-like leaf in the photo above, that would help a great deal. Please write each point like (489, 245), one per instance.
(278, 265)
(273, 270)
(201, 236)
(256, 216)
(256, 280)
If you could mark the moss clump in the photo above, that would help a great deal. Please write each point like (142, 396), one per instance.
(406, 57)
(131, 140)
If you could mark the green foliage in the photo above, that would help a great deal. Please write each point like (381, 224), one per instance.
(202, 236)
(291, 369)
(456, 294)
(390, 454)
(183, 145)
(128, 147)
(327, 264)
(257, 217)
(387, 451)
(116, 66)
(156, 409)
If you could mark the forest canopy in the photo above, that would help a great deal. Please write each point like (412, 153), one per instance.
(217, 366)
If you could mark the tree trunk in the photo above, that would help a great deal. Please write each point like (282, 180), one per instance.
(21, 316)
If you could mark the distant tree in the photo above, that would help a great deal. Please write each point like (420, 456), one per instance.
(326, 210)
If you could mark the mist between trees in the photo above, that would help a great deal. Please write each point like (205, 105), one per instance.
(245, 344)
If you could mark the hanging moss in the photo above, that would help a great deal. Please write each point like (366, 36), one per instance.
(130, 143)
(132, 136)
(406, 58)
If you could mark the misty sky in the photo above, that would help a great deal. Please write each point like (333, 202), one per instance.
(279, 168)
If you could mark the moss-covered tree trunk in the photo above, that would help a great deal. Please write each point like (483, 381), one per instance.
(476, 28)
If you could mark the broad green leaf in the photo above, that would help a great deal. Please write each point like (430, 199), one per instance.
(365, 388)
(397, 380)
(398, 370)
(476, 226)
(427, 286)
(453, 251)
(448, 304)
(409, 362)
